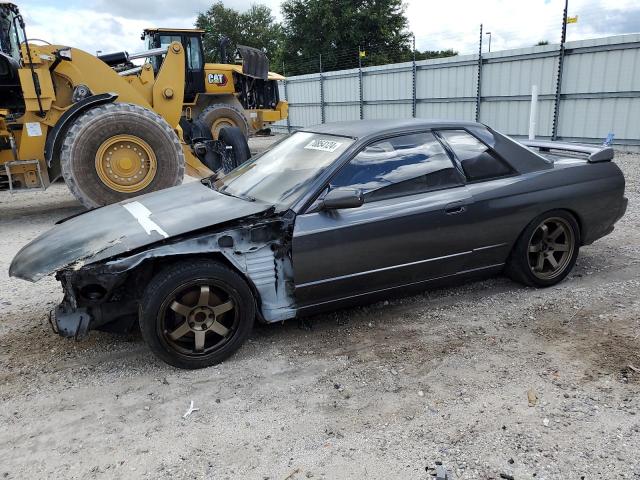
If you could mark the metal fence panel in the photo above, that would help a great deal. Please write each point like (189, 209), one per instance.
(594, 118)
(512, 117)
(600, 91)
(340, 87)
(304, 90)
(502, 76)
(447, 110)
(341, 113)
(303, 116)
(387, 110)
(379, 85)
(448, 80)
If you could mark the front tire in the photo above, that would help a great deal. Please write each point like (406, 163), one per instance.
(117, 151)
(197, 313)
(546, 251)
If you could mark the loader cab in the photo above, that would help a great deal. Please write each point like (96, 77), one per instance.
(191, 40)
(11, 36)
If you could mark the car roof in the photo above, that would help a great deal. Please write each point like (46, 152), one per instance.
(369, 128)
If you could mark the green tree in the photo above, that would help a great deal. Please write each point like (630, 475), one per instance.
(428, 54)
(255, 28)
(338, 28)
(542, 42)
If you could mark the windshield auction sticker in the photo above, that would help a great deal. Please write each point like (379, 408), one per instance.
(323, 145)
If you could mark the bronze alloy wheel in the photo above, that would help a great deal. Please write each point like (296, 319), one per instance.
(551, 248)
(199, 317)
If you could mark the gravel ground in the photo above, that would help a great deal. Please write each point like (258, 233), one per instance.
(382, 391)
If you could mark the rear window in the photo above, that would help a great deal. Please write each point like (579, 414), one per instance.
(477, 160)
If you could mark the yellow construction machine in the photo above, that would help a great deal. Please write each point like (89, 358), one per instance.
(113, 129)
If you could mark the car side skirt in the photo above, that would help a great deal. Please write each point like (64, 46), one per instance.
(401, 290)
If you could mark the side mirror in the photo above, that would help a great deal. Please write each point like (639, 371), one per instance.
(343, 198)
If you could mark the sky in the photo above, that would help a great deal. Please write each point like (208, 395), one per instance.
(115, 25)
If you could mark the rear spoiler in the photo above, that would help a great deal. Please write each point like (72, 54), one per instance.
(595, 154)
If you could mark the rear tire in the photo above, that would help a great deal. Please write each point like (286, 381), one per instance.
(546, 251)
(222, 115)
(240, 152)
(117, 151)
(196, 299)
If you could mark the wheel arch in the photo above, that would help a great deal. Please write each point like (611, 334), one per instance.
(517, 266)
(579, 221)
(154, 264)
(56, 134)
(570, 211)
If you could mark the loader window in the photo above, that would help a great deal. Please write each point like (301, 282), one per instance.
(157, 41)
(194, 54)
(10, 34)
(165, 40)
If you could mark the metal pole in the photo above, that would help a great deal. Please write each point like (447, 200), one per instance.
(479, 82)
(556, 102)
(360, 83)
(286, 99)
(533, 112)
(489, 33)
(413, 79)
(322, 117)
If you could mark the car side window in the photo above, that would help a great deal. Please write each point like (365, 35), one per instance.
(398, 166)
(477, 160)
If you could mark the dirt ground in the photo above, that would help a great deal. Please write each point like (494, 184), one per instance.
(384, 391)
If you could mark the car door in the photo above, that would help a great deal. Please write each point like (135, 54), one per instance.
(491, 181)
(412, 227)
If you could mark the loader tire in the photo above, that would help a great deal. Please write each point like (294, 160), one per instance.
(117, 151)
(240, 153)
(221, 115)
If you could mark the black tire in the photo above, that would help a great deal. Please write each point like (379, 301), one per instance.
(226, 116)
(530, 260)
(240, 152)
(86, 136)
(168, 293)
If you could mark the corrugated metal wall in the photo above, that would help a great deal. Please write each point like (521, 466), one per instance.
(600, 91)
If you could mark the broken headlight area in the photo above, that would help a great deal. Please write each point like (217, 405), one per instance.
(95, 300)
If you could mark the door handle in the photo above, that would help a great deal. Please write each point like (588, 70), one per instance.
(455, 208)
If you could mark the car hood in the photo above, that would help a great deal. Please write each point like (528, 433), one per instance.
(128, 225)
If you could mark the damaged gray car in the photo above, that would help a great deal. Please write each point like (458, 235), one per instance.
(334, 215)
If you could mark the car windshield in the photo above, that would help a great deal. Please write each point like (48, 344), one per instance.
(279, 175)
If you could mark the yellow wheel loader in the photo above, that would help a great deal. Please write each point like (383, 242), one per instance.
(220, 94)
(112, 129)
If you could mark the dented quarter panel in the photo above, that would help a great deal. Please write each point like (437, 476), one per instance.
(119, 228)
